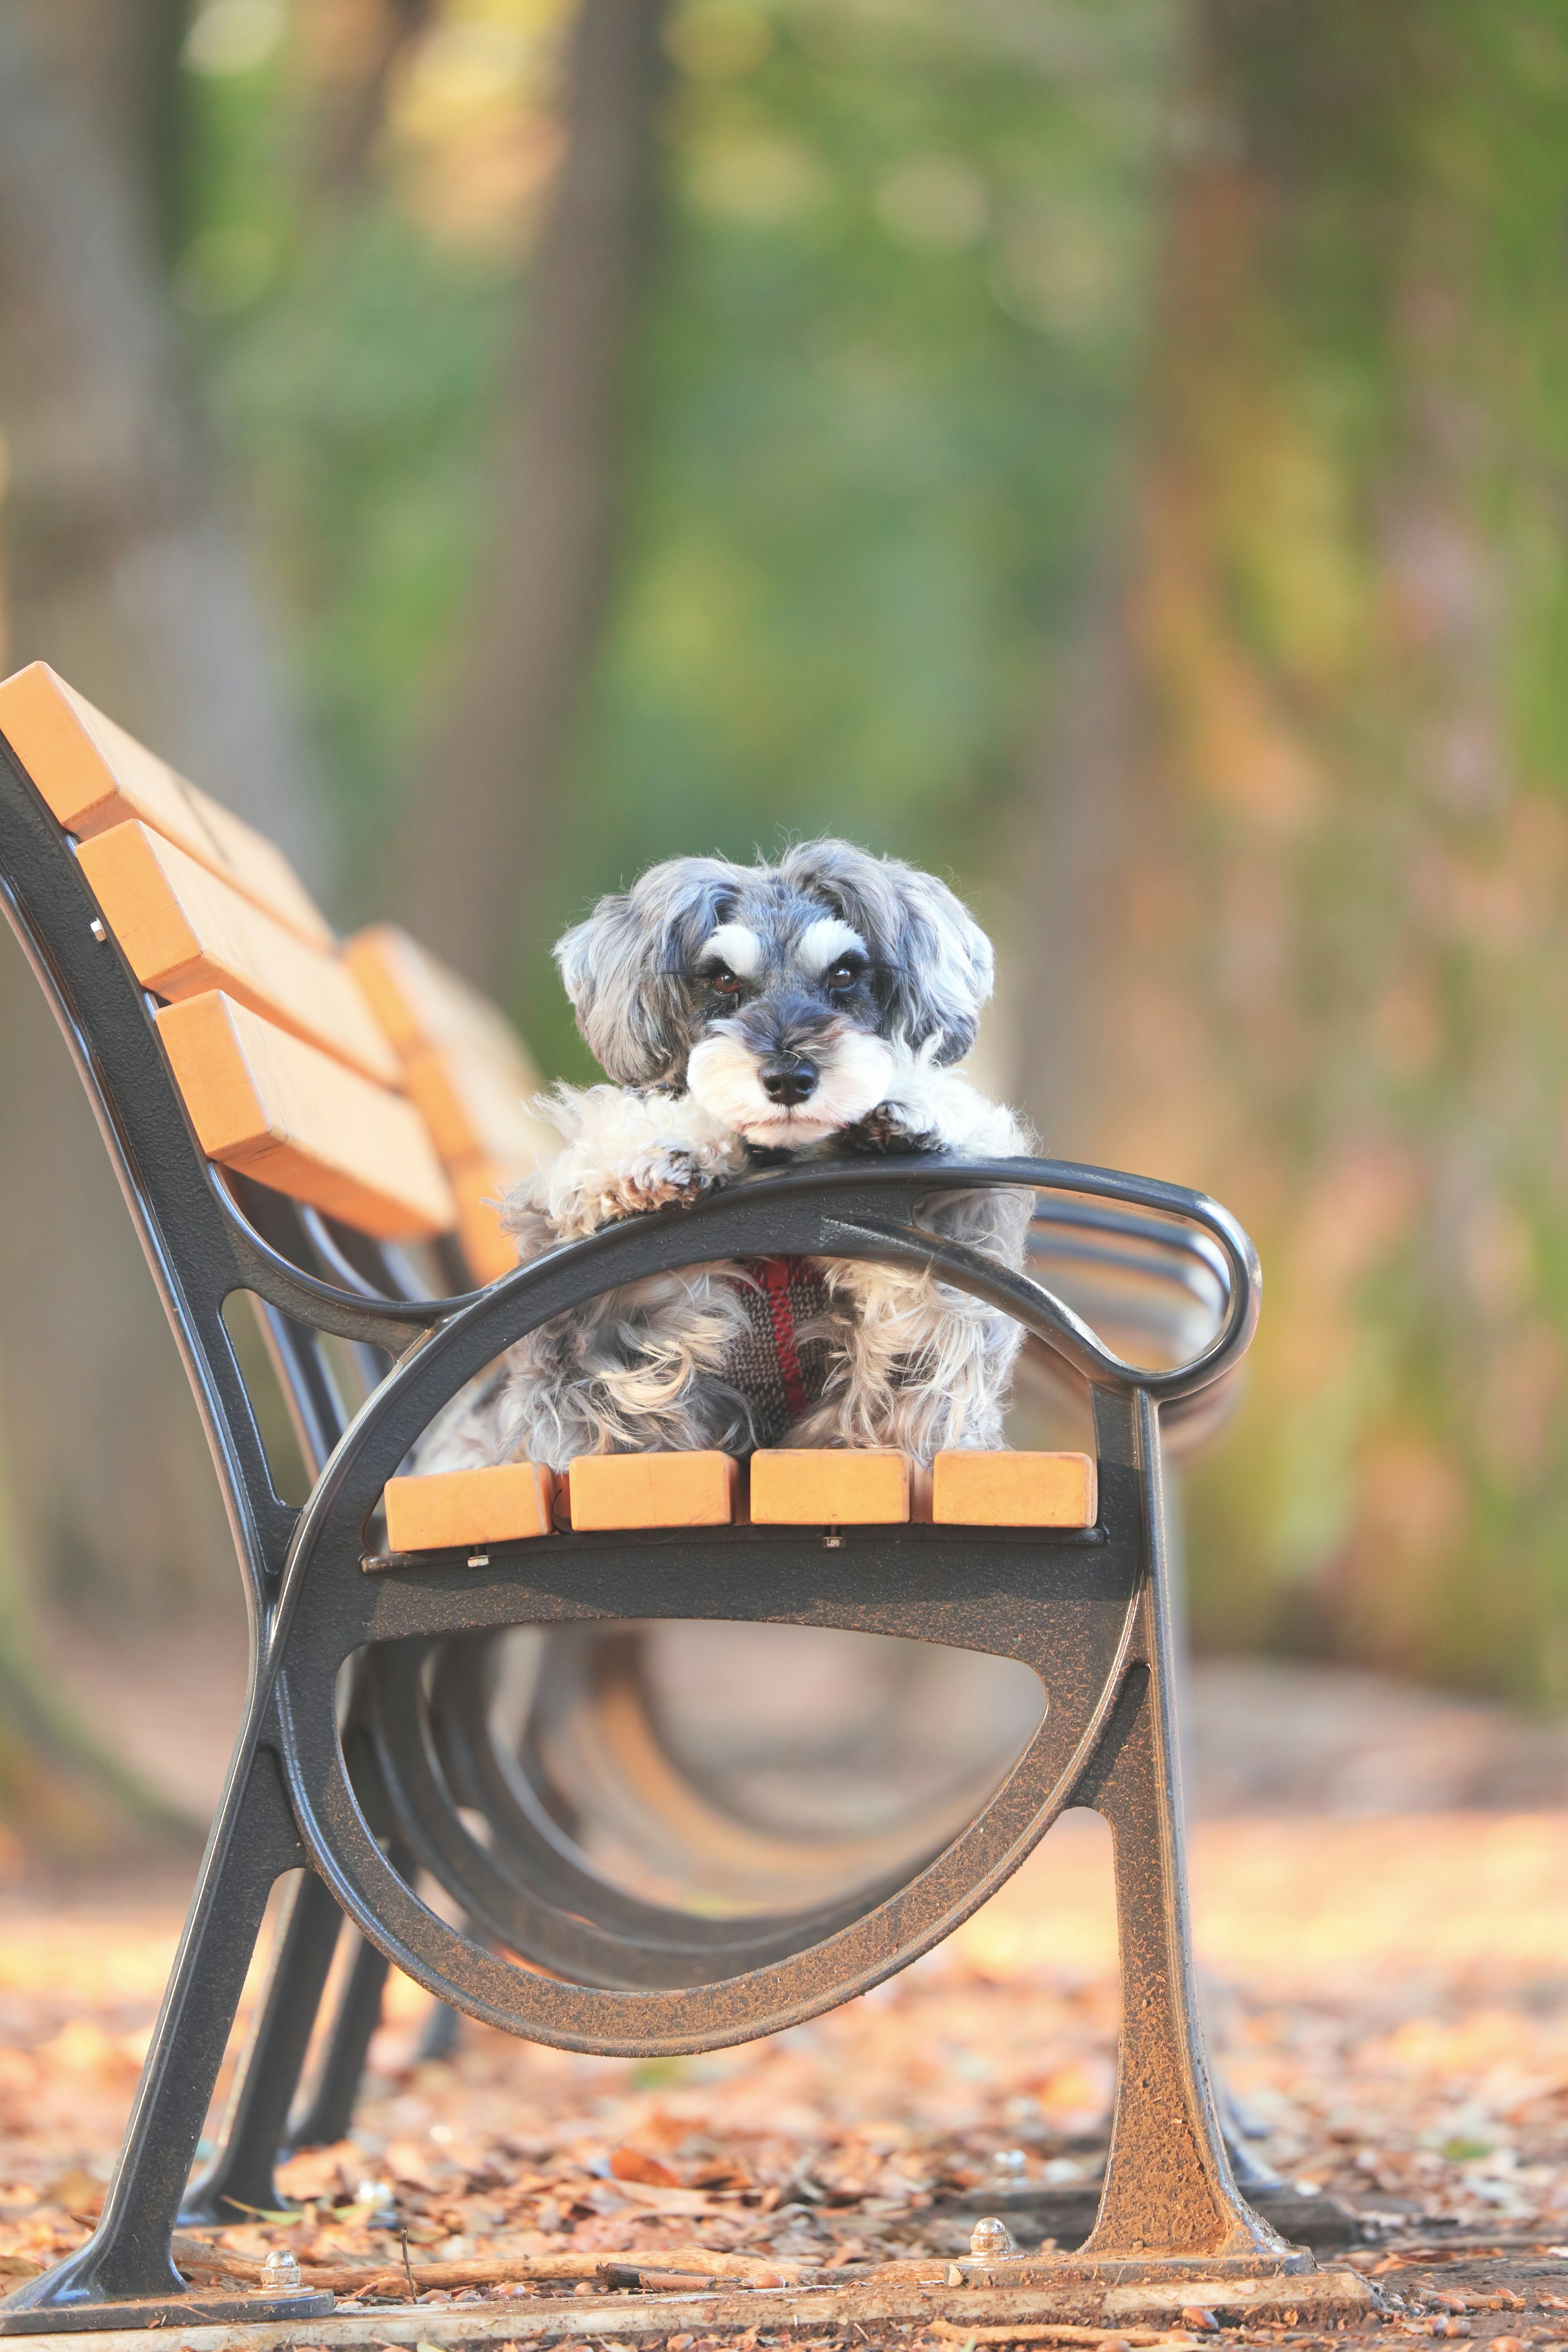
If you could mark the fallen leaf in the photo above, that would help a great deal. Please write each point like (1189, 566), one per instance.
(631, 2164)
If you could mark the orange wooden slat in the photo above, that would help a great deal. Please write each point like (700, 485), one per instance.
(475, 1110)
(186, 931)
(265, 1102)
(652, 1490)
(1014, 1490)
(489, 1248)
(469, 1072)
(802, 1486)
(470, 1507)
(420, 1001)
(92, 775)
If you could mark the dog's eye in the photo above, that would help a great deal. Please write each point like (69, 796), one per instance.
(723, 982)
(842, 975)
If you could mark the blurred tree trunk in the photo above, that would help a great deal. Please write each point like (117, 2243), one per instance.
(123, 566)
(356, 53)
(1076, 780)
(123, 571)
(1317, 940)
(480, 829)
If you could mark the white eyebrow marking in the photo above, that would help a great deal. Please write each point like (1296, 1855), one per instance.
(824, 943)
(734, 945)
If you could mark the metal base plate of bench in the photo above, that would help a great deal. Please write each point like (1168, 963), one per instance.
(182, 2311)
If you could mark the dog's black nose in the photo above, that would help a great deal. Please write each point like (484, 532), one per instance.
(787, 1079)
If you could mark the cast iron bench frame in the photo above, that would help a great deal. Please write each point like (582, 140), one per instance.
(1090, 1611)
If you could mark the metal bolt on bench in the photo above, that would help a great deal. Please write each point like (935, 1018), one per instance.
(359, 1800)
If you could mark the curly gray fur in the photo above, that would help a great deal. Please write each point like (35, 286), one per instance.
(809, 1008)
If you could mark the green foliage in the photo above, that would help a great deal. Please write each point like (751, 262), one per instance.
(887, 361)
(1375, 437)
(886, 374)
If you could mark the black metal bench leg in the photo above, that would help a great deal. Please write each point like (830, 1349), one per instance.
(254, 1840)
(332, 2104)
(240, 2180)
(1168, 2189)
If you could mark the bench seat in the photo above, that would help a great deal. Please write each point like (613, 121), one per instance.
(780, 1487)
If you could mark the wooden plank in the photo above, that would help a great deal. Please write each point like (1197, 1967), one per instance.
(470, 1507)
(799, 1487)
(1014, 1490)
(420, 1003)
(467, 1070)
(92, 775)
(266, 1103)
(489, 1248)
(652, 1490)
(186, 931)
(475, 1111)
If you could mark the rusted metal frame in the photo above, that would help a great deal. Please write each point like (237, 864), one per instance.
(41, 871)
(530, 1848)
(199, 1246)
(240, 2181)
(194, 1256)
(254, 1840)
(574, 1924)
(1064, 1608)
(329, 2105)
(1169, 2190)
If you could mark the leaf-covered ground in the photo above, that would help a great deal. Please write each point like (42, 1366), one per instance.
(1389, 1995)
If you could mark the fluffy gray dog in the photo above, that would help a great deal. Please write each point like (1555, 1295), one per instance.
(749, 1016)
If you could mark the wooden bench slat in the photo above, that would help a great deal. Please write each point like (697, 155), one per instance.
(652, 1490)
(265, 1102)
(421, 1002)
(489, 1248)
(92, 775)
(469, 1072)
(470, 1507)
(1014, 1490)
(790, 1487)
(187, 931)
(474, 1111)
(799, 1487)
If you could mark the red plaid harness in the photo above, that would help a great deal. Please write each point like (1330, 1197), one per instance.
(780, 1364)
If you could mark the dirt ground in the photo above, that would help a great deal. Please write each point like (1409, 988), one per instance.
(1384, 1953)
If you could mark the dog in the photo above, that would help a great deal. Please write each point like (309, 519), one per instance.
(755, 1017)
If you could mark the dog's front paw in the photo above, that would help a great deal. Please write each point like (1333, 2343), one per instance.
(883, 1129)
(656, 1179)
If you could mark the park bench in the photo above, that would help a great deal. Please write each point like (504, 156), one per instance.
(312, 1134)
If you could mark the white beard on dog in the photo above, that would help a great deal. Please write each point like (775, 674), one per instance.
(854, 1075)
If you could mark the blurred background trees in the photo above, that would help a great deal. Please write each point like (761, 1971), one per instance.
(1110, 450)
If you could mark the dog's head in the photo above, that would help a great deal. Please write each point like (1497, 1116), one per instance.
(777, 994)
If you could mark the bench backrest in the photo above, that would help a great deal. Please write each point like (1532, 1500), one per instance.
(360, 1079)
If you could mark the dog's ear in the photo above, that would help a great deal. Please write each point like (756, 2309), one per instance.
(935, 967)
(626, 968)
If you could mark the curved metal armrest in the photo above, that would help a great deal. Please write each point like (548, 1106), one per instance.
(862, 1211)
(870, 1210)
(905, 1182)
